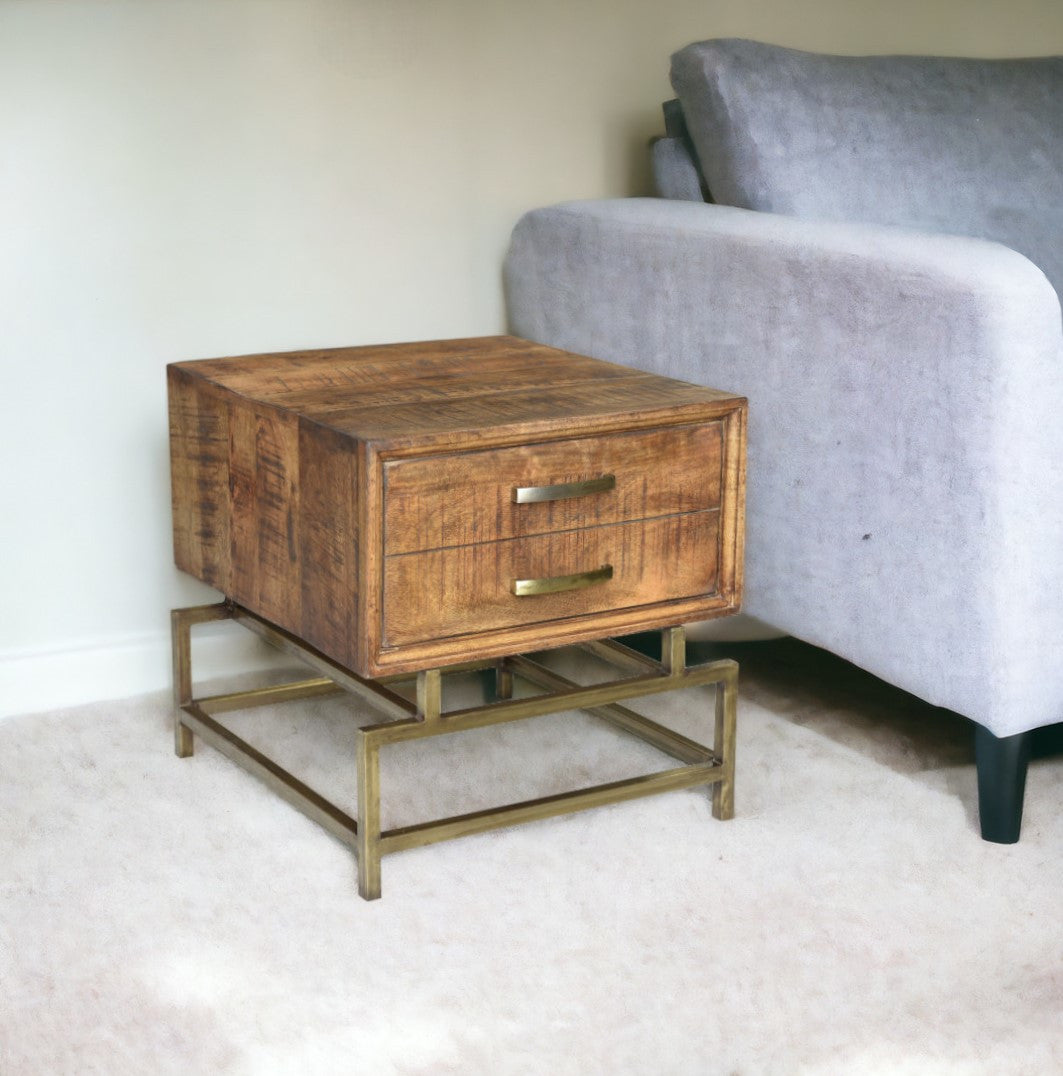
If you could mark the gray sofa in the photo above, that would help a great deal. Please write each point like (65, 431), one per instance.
(878, 274)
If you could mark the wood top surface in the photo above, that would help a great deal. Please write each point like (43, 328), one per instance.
(433, 392)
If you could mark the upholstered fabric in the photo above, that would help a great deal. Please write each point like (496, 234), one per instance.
(963, 146)
(905, 499)
(674, 173)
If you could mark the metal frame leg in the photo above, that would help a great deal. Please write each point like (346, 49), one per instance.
(503, 679)
(180, 629)
(724, 742)
(368, 835)
(426, 717)
(181, 621)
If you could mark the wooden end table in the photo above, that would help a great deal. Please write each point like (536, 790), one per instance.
(408, 510)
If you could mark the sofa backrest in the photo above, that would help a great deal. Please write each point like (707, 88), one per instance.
(972, 147)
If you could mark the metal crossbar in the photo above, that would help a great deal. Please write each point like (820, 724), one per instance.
(413, 721)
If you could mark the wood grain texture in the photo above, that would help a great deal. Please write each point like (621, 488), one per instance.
(328, 552)
(199, 479)
(468, 589)
(263, 479)
(361, 498)
(459, 499)
(603, 405)
(525, 638)
(315, 381)
(441, 394)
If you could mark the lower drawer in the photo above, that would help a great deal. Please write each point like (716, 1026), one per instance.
(469, 589)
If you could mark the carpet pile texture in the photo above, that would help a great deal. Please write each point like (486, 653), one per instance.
(160, 915)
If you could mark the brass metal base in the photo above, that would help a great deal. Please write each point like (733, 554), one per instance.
(409, 721)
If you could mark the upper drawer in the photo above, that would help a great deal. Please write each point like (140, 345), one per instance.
(435, 502)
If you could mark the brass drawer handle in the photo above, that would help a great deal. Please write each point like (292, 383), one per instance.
(525, 587)
(534, 494)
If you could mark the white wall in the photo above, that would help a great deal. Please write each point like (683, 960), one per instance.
(186, 178)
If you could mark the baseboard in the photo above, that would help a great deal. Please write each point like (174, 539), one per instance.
(32, 680)
(113, 668)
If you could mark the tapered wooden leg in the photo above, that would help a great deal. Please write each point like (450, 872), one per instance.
(368, 836)
(1002, 762)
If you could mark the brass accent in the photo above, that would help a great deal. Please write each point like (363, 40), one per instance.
(524, 588)
(702, 765)
(503, 679)
(622, 656)
(368, 832)
(576, 698)
(674, 651)
(398, 840)
(370, 690)
(664, 739)
(723, 793)
(181, 621)
(564, 491)
(289, 788)
(429, 694)
(267, 696)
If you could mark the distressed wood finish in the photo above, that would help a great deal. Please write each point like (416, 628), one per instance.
(199, 461)
(328, 541)
(361, 498)
(264, 488)
(447, 591)
(440, 501)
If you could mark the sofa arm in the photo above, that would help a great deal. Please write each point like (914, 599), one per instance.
(905, 491)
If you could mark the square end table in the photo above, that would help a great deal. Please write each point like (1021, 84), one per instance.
(406, 510)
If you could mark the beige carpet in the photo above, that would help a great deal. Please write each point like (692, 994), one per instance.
(167, 916)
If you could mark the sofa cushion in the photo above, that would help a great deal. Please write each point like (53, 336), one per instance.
(972, 147)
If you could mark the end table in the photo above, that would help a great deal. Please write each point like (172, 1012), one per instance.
(404, 511)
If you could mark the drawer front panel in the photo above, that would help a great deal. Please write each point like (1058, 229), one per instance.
(437, 502)
(470, 589)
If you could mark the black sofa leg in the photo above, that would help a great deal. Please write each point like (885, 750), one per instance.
(1001, 762)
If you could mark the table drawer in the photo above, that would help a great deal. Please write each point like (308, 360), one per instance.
(470, 589)
(436, 502)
